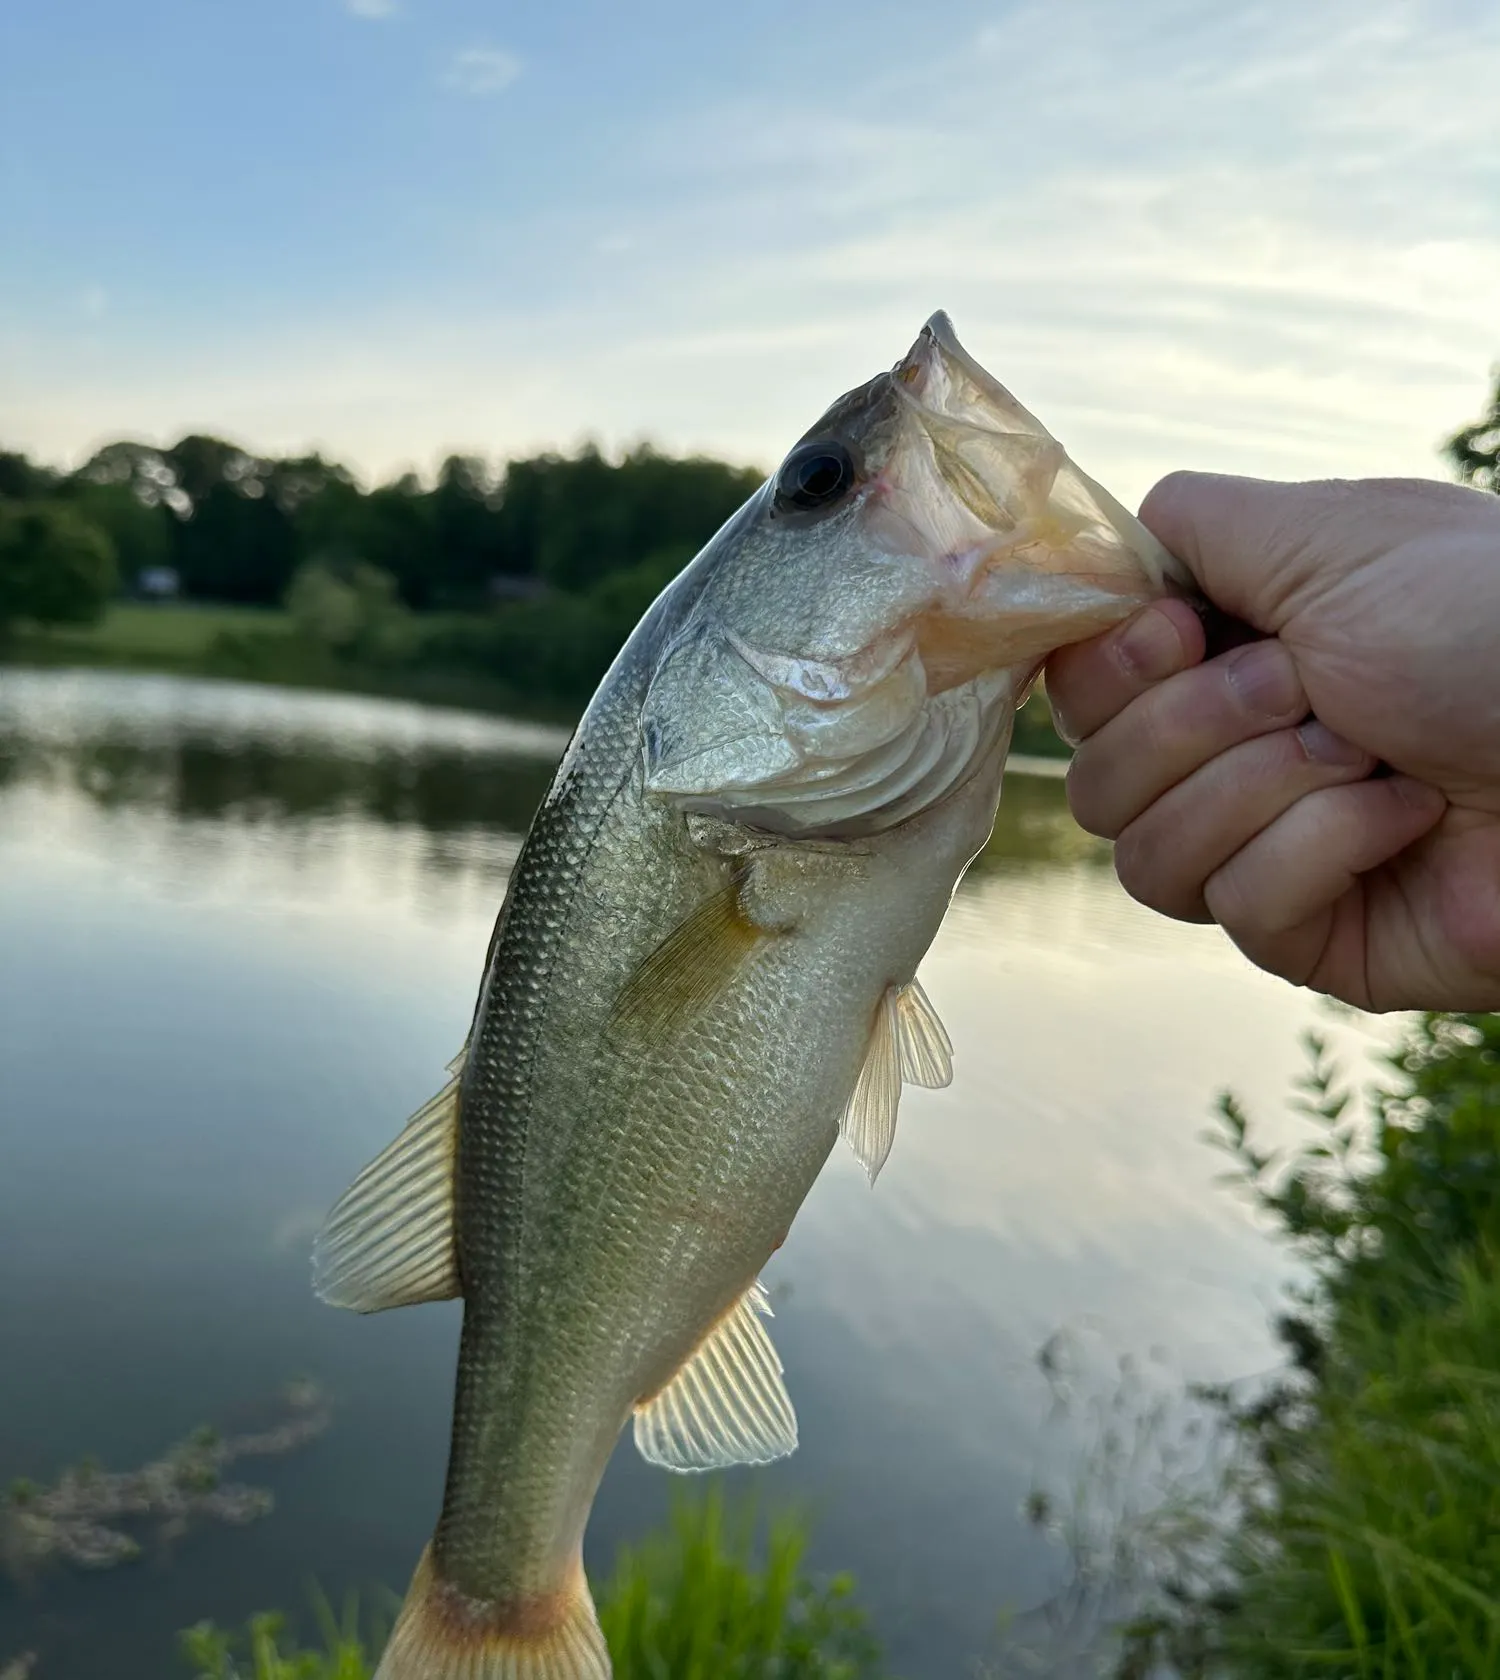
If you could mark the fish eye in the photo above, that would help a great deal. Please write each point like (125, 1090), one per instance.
(815, 474)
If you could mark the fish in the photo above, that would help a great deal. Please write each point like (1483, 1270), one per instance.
(704, 970)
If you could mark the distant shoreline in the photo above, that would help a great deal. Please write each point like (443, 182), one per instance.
(261, 645)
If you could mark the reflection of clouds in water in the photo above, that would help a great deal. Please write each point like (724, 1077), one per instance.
(212, 758)
(210, 792)
(1072, 912)
(312, 863)
(293, 1233)
(1064, 1174)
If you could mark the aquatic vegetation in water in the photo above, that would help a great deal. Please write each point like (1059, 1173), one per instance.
(87, 1517)
(711, 1598)
(1132, 1500)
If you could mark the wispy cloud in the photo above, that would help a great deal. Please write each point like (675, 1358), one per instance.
(371, 8)
(1260, 237)
(482, 70)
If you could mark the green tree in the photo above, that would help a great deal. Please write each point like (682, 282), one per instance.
(391, 529)
(141, 532)
(466, 533)
(578, 520)
(1363, 1533)
(350, 609)
(1475, 451)
(20, 479)
(55, 567)
(139, 467)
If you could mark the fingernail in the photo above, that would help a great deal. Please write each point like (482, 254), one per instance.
(1324, 747)
(1264, 678)
(1150, 646)
(1421, 796)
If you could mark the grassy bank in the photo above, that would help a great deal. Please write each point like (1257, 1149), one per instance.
(156, 638)
(1364, 1538)
(442, 659)
(714, 1597)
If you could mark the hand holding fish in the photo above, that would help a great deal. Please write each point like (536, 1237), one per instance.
(1243, 789)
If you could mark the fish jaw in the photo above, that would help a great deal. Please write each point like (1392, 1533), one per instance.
(1031, 553)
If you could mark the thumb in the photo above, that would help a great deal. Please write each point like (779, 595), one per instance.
(1263, 551)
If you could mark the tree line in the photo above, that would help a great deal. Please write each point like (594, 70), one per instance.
(534, 570)
(546, 562)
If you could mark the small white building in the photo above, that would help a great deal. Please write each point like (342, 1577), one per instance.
(158, 583)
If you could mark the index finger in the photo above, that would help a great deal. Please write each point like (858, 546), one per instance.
(1091, 681)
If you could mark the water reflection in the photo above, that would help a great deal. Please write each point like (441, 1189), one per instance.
(221, 759)
(191, 766)
(240, 932)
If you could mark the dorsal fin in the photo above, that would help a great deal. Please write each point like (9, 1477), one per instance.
(389, 1240)
(728, 1404)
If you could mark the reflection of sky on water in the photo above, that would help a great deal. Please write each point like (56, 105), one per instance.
(240, 933)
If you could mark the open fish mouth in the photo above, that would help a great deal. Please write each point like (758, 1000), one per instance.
(992, 497)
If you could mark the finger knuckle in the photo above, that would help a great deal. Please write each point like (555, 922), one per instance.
(1240, 901)
(1145, 870)
(1224, 895)
(1191, 717)
(1088, 795)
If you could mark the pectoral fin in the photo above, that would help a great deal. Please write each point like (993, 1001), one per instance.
(907, 1045)
(389, 1239)
(690, 967)
(923, 1046)
(727, 1405)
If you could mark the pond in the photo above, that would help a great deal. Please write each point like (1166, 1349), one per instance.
(240, 935)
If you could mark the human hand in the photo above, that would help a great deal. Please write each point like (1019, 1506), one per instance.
(1227, 803)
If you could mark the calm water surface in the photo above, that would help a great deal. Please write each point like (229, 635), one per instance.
(240, 934)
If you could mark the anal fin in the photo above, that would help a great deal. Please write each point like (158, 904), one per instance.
(908, 1045)
(389, 1240)
(728, 1403)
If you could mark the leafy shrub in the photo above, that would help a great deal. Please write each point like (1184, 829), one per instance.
(1367, 1533)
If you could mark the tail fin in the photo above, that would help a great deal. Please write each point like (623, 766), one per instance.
(442, 1635)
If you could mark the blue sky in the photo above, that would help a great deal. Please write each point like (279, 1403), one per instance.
(1262, 238)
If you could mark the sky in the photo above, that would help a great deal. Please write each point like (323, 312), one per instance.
(1254, 238)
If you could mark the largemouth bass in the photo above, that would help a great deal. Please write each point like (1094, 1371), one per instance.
(705, 969)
